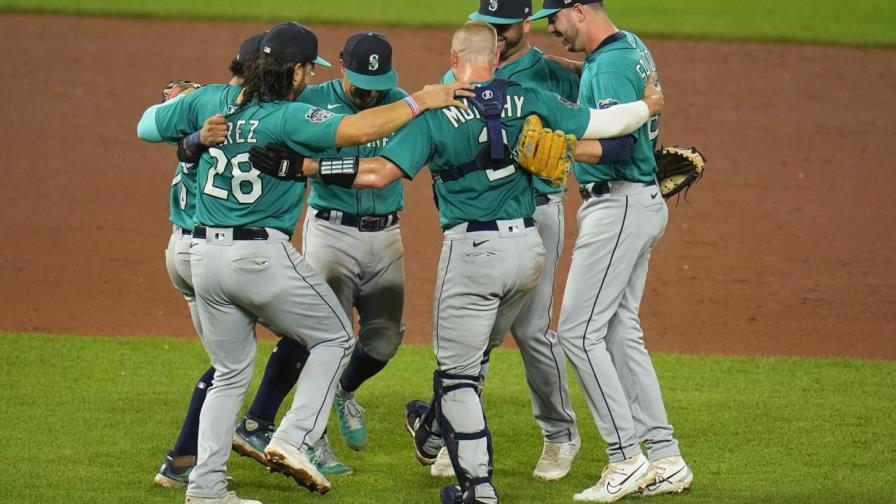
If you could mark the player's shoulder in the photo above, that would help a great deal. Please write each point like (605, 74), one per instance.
(317, 94)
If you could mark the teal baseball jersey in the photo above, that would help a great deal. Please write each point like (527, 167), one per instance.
(231, 193)
(330, 96)
(182, 201)
(533, 70)
(449, 137)
(617, 73)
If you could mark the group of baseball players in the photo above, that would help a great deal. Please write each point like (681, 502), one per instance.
(247, 151)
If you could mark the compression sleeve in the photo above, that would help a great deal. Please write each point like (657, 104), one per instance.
(146, 128)
(617, 120)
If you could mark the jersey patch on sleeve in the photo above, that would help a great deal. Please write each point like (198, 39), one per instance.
(605, 104)
(318, 115)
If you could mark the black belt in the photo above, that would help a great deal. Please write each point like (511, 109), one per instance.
(602, 188)
(363, 223)
(597, 189)
(239, 233)
(492, 225)
(542, 199)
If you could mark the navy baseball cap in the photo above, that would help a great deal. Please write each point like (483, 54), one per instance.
(503, 11)
(292, 42)
(367, 58)
(552, 7)
(250, 47)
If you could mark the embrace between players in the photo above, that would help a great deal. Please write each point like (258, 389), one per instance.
(247, 151)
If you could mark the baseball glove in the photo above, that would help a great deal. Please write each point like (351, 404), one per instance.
(178, 87)
(545, 153)
(678, 168)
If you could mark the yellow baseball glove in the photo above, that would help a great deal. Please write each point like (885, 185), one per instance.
(544, 152)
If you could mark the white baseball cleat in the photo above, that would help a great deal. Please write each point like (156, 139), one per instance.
(442, 468)
(295, 463)
(556, 459)
(620, 479)
(672, 476)
(230, 498)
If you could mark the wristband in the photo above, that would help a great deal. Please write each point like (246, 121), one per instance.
(617, 150)
(189, 148)
(415, 109)
(339, 171)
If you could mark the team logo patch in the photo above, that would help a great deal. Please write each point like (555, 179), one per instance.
(492, 5)
(605, 104)
(488, 94)
(317, 115)
(374, 62)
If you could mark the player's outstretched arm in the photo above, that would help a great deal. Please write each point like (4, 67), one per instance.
(378, 122)
(624, 119)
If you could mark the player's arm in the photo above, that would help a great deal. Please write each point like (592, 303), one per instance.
(626, 118)
(609, 150)
(378, 122)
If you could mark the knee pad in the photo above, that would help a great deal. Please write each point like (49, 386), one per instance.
(467, 439)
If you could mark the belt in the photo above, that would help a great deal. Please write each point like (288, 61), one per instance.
(239, 233)
(363, 223)
(177, 229)
(597, 189)
(603, 188)
(492, 225)
(542, 199)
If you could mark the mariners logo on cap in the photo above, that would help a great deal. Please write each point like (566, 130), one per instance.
(492, 5)
(374, 62)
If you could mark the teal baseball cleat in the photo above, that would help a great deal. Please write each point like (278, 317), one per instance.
(352, 424)
(325, 460)
(251, 437)
(175, 471)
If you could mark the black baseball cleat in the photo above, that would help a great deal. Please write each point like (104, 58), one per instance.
(452, 494)
(426, 444)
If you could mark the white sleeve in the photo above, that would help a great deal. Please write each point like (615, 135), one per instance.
(617, 120)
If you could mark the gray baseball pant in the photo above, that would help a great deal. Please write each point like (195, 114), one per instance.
(365, 270)
(542, 354)
(239, 283)
(177, 262)
(599, 326)
(484, 279)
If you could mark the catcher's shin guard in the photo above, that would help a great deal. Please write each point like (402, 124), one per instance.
(466, 434)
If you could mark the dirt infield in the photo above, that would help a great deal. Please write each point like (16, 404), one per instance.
(786, 248)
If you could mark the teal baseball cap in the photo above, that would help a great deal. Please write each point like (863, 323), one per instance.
(552, 7)
(367, 58)
(503, 11)
(292, 42)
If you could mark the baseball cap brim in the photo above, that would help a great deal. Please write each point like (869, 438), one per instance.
(476, 16)
(543, 13)
(322, 62)
(373, 82)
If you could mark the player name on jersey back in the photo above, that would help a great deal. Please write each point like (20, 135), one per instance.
(513, 107)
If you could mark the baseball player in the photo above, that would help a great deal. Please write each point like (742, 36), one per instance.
(542, 355)
(180, 460)
(620, 222)
(352, 238)
(492, 256)
(243, 264)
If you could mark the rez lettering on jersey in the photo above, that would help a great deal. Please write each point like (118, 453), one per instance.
(238, 133)
(513, 107)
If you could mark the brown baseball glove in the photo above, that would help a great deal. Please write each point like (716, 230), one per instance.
(544, 152)
(678, 168)
(178, 87)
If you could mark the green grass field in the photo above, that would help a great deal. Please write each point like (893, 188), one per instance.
(859, 22)
(87, 420)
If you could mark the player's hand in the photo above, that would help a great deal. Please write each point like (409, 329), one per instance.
(437, 96)
(277, 160)
(571, 65)
(214, 131)
(653, 96)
